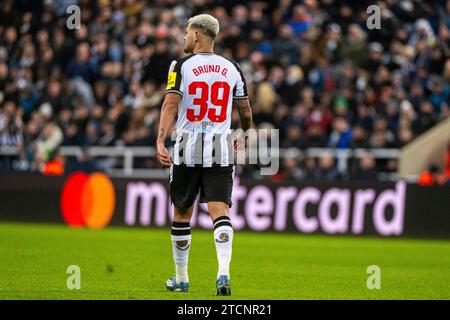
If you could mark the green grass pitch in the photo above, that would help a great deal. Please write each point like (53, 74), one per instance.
(134, 263)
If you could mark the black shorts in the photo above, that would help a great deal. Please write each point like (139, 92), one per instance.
(214, 183)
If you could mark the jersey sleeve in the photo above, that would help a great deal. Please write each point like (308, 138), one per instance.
(174, 78)
(240, 90)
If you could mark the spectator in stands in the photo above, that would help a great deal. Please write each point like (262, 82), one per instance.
(53, 95)
(381, 136)
(407, 115)
(426, 118)
(46, 145)
(290, 169)
(315, 136)
(341, 136)
(405, 135)
(285, 46)
(354, 46)
(366, 169)
(301, 20)
(294, 138)
(11, 125)
(310, 166)
(82, 66)
(326, 170)
(359, 137)
(440, 93)
(11, 134)
(27, 97)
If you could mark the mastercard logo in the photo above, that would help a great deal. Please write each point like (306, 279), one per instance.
(88, 200)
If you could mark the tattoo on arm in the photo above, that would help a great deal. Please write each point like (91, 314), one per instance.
(245, 113)
(161, 134)
(168, 113)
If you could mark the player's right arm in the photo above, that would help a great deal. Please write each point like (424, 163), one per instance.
(245, 118)
(245, 113)
(169, 111)
(240, 100)
(242, 105)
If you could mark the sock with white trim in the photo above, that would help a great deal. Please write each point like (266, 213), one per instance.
(181, 232)
(223, 239)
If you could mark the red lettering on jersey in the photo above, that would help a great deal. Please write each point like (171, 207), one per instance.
(208, 68)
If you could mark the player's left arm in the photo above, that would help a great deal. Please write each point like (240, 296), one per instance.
(168, 113)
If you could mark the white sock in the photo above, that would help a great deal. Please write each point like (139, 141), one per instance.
(181, 231)
(223, 239)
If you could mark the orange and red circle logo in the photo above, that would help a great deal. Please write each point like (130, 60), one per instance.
(88, 200)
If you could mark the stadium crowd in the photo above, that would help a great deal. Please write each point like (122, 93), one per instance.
(313, 68)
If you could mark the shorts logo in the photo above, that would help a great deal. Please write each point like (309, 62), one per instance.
(171, 80)
(88, 200)
(223, 237)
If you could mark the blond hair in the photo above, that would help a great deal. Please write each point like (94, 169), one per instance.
(206, 23)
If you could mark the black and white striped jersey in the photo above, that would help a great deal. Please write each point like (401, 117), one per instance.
(207, 83)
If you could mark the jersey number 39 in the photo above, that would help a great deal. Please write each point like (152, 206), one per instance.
(204, 97)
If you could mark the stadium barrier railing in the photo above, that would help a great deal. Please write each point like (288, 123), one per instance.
(128, 154)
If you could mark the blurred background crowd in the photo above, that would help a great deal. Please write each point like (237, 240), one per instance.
(313, 68)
